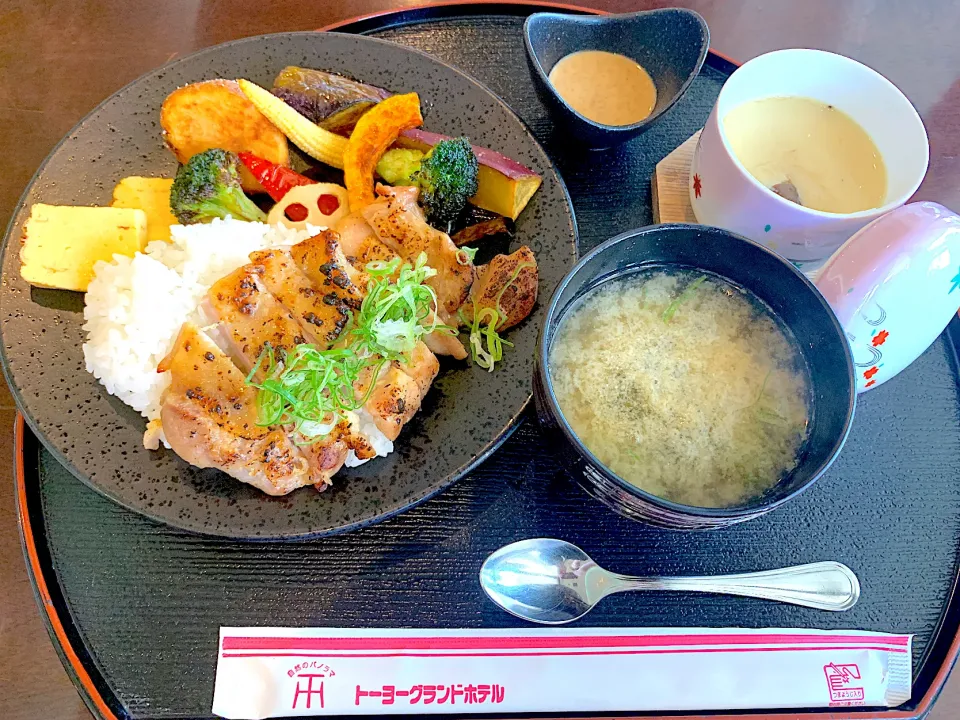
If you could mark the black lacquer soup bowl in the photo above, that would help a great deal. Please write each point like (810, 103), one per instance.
(776, 282)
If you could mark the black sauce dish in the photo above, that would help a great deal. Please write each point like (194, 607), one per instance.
(775, 281)
(670, 44)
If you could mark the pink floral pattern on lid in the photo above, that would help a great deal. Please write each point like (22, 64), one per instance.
(890, 280)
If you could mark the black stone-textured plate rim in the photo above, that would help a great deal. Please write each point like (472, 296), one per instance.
(507, 421)
(931, 667)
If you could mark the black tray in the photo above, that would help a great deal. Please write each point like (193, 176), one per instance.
(135, 607)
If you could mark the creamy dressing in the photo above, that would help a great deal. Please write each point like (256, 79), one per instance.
(798, 143)
(605, 87)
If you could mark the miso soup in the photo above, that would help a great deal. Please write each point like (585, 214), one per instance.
(684, 385)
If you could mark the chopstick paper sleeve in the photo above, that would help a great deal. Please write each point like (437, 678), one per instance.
(282, 672)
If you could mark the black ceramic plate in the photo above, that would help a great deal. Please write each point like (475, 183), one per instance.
(467, 413)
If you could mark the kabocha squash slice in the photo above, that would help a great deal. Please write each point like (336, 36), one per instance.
(376, 131)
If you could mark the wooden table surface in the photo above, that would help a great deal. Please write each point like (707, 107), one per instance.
(58, 59)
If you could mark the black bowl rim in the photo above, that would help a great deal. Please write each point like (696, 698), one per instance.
(611, 19)
(745, 512)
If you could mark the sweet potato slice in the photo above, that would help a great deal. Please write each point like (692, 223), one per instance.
(217, 114)
(504, 185)
(375, 132)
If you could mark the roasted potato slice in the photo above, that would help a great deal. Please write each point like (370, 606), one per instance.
(216, 114)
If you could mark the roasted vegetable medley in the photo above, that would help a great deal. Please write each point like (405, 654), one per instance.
(309, 289)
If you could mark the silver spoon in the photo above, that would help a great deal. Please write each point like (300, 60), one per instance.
(553, 582)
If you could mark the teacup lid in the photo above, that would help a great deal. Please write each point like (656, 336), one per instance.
(894, 286)
(883, 249)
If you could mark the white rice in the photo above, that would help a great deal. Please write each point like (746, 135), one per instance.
(135, 306)
(129, 331)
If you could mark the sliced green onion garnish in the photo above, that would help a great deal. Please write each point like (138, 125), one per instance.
(682, 298)
(314, 389)
(486, 345)
(395, 315)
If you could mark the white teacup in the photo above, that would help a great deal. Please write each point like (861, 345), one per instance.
(725, 194)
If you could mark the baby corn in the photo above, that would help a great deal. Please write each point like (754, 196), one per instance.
(321, 144)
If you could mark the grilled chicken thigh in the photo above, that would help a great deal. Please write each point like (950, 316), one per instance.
(252, 319)
(423, 367)
(209, 418)
(322, 260)
(322, 312)
(327, 454)
(399, 389)
(281, 299)
(443, 343)
(360, 244)
(394, 400)
(399, 223)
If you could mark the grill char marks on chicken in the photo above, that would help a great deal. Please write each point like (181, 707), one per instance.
(400, 225)
(321, 259)
(209, 418)
(423, 367)
(322, 312)
(399, 390)
(254, 319)
(327, 455)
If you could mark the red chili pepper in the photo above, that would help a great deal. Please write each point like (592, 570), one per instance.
(276, 179)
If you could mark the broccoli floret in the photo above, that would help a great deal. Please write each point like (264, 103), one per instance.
(398, 165)
(208, 187)
(447, 178)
